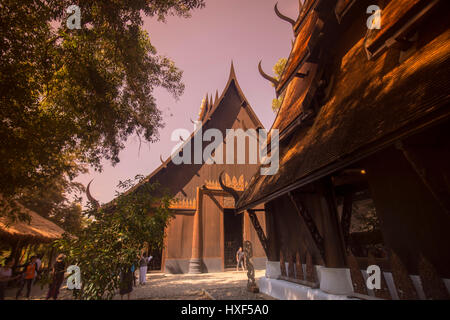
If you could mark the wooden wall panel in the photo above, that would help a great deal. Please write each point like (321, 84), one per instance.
(179, 237)
(411, 220)
(211, 229)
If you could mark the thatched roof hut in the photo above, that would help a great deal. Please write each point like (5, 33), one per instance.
(38, 229)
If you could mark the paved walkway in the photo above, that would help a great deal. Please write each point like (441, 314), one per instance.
(229, 285)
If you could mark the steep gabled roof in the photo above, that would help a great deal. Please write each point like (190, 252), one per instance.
(232, 81)
(232, 85)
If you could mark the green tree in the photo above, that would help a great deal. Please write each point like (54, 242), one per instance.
(57, 199)
(278, 69)
(71, 97)
(115, 236)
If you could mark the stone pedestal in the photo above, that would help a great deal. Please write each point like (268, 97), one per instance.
(273, 269)
(335, 280)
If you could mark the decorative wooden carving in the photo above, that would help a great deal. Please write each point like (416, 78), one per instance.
(310, 269)
(237, 184)
(224, 186)
(183, 204)
(298, 267)
(402, 280)
(432, 284)
(309, 222)
(282, 264)
(383, 292)
(248, 254)
(359, 285)
(259, 231)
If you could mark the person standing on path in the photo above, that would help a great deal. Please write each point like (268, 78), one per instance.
(133, 271)
(6, 276)
(126, 282)
(57, 277)
(38, 267)
(240, 259)
(28, 275)
(143, 265)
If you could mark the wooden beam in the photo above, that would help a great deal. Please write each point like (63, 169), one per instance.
(259, 231)
(309, 222)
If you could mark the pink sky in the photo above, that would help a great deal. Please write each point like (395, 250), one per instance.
(245, 31)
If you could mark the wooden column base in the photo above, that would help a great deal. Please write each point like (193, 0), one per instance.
(195, 266)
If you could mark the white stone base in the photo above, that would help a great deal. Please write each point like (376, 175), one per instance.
(273, 270)
(284, 290)
(335, 280)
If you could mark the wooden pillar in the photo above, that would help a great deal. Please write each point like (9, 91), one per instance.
(347, 216)
(333, 237)
(247, 230)
(271, 231)
(195, 264)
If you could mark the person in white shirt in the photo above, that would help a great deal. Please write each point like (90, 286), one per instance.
(143, 265)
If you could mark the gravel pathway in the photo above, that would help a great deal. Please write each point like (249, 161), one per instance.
(229, 285)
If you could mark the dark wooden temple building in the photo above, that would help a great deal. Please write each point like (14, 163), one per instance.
(205, 232)
(364, 174)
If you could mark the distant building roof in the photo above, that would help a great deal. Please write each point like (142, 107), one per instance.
(38, 230)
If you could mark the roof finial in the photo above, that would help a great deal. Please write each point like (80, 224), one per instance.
(232, 72)
(202, 110)
(266, 76)
(91, 199)
(283, 17)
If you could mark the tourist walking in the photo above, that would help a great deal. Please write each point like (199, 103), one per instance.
(240, 259)
(126, 282)
(57, 277)
(143, 265)
(38, 267)
(6, 276)
(28, 275)
(133, 271)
